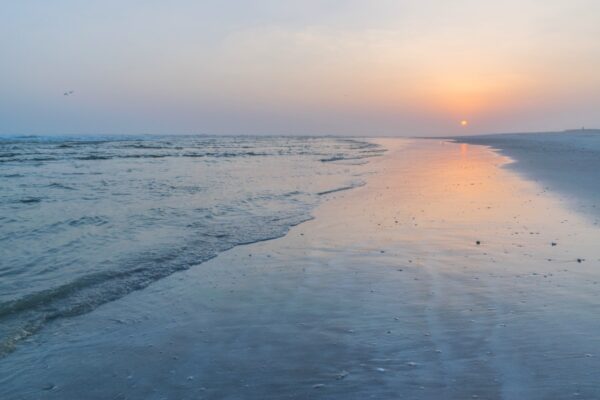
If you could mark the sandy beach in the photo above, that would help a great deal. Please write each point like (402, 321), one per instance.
(449, 275)
(564, 163)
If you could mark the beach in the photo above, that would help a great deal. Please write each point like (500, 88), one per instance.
(448, 275)
(564, 163)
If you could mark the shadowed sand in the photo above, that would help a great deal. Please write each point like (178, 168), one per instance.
(385, 294)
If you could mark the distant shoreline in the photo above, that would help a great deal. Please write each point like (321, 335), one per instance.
(563, 162)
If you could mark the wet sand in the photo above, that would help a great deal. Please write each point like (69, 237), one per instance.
(445, 276)
(564, 163)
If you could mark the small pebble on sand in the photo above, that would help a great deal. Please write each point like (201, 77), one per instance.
(342, 375)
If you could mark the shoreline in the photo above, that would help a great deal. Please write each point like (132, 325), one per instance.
(385, 293)
(73, 235)
(563, 162)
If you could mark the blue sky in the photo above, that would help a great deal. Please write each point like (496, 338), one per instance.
(311, 67)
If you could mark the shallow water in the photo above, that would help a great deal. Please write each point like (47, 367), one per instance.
(87, 220)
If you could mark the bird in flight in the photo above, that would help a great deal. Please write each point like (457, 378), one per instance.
(70, 92)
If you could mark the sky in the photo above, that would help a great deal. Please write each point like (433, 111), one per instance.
(368, 68)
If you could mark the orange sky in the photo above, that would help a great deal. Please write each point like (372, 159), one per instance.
(321, 67)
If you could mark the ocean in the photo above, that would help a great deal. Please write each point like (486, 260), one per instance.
(87, 220)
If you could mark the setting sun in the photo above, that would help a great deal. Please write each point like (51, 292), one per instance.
(464, 122)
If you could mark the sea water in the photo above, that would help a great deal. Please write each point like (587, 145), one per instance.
(86, 220)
